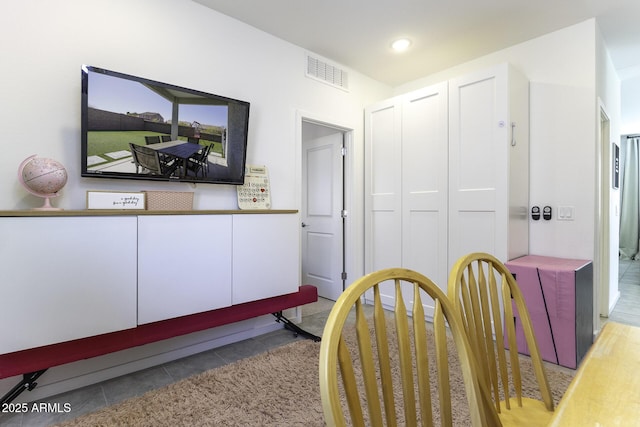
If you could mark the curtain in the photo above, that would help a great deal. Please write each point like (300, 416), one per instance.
(630, 200)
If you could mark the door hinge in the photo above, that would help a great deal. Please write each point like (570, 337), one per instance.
(343, 151)
(344, 213)
(344, 275)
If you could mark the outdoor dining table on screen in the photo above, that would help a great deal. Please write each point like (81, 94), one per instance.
(182, 150)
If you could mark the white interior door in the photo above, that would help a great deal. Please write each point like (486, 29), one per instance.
(322, 206)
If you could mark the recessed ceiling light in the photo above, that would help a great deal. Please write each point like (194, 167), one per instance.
(401, 45)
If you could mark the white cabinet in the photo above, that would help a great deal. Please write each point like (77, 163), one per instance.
(184, 265)
(65, 278)
(446, 173)
(266, 256)
(74, 275)
(489, 164)
(406, 183)
(194, 263)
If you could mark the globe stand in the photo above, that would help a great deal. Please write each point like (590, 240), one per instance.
(47, 203)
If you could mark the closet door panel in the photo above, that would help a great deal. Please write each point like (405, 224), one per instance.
(422, 252)
(383, 186)
(385, 244)
(477, 200)
(478, 143)
(475, 232)
(424, 181)
(385, 152)
(476, 126)
(385, 241)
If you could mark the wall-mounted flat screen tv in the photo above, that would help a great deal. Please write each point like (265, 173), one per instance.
(137, 128)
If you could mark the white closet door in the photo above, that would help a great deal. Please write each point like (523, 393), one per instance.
(383, 186)
(478, 173)
(383, 190)
(424, 182)
(446, 174)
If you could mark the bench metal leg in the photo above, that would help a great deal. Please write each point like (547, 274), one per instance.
(288, 324)
(28, 383)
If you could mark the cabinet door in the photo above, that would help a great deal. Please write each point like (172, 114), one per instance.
(184, 265)
(266, 256)
(65, 278)
(383, 185)
(478, 172)
(424, 182)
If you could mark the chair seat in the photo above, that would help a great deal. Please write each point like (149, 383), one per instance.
(531, 413)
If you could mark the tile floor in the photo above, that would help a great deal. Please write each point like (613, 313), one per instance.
(93, 397)
(627, 310)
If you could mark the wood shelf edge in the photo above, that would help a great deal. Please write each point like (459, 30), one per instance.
(110, 212)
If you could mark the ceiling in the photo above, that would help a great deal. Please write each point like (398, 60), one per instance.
(358, 33)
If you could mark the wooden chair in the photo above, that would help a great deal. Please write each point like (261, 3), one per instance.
(478, 284)
(412, 357)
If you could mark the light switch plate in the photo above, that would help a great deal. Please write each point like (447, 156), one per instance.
(566, 213)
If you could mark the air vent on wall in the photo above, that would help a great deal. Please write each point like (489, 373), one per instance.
(321, 70)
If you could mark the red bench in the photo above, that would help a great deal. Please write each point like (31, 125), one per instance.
(41, 358)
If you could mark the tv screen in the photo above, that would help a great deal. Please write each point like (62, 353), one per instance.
(137, 128)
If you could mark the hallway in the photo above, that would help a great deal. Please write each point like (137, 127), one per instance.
(627, 310)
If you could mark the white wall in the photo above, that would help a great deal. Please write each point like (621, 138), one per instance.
(174, 41)
(43, 45)
(561, 69)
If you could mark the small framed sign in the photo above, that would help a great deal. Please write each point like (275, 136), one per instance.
(115, 200)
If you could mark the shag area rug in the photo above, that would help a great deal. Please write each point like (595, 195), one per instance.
(277, 388)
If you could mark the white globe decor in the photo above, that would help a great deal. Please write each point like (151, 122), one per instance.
(43, 178)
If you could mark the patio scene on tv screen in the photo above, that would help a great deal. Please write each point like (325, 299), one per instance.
(142, 129)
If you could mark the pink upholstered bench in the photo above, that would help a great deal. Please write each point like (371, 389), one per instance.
(559, 296)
